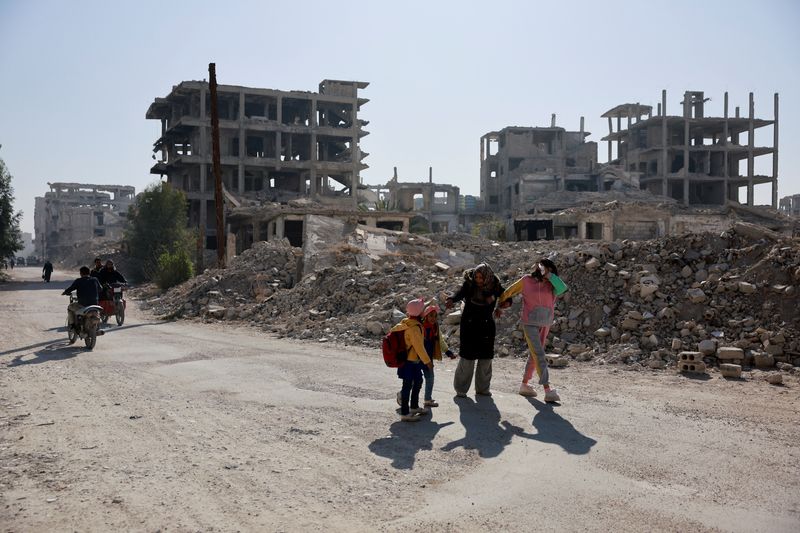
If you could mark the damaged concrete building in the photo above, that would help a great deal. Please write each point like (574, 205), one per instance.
(790, 205)
(546, 183)
(285, 155)
(75, 213)
(693, 158)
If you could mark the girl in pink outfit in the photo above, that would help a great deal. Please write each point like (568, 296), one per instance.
(539, 292)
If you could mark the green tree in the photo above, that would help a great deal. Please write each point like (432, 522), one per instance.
(10, 236)
(157, 227)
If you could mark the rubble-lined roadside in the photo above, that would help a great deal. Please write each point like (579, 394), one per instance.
(730, 298)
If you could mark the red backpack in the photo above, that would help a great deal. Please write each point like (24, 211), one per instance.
(394, 349)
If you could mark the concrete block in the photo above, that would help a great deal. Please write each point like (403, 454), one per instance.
(696, 367)
(730, 371)
(690, 357)
(556, 361)
(728, 353)
(707, 346)
(763, 360)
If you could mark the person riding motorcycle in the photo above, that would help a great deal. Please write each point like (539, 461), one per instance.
(107, 276)
(88, 289)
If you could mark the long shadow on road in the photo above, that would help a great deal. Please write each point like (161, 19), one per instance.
(54, 351)
(554, 429)
(406, 440)
(63, 328)
(485, 432)
(19, 285)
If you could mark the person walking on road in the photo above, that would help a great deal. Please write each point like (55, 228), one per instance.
(480, 291)
(47, 270)
(539, 292)
(417, 357)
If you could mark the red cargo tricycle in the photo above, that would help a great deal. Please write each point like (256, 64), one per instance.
(113, 302)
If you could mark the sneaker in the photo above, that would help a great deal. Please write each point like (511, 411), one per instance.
(527, 390)
(399, 398)
(552, 396)
(431, 403)
(485, 393)
(410, 418)
(420, 411)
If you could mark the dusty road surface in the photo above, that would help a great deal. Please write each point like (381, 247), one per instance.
(197, 427)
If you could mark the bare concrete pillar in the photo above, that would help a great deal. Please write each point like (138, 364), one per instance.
(553, 120)
(610, 131)
(582, 129)
(619, 140)
(686, 191)
(725, 105)
(775, 155)
(203, 177)
(278, 145)
(662, 110)
(750, 145)
(313, 121)
(279, 105)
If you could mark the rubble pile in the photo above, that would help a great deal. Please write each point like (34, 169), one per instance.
(731, 298)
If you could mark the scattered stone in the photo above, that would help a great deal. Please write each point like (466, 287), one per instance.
(730, 371)
(556, 361)
(775, 378)
(746, 288)
(707, 347)
(696, 295)
(763, 360)
(730, 353)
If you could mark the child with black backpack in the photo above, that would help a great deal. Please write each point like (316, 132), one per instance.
(416, 358)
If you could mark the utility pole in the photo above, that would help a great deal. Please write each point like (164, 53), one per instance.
(221, 237)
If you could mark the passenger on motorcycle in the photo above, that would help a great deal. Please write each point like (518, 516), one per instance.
(107, 276)
(88, 289)
(98, 266)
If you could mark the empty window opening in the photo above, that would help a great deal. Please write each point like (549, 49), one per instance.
(98, 218)
(334, 115)
(293, 230)
(394, 225)
(296, 112)
(419, 202)
(441, 198)
(594, 231)
(493, 174)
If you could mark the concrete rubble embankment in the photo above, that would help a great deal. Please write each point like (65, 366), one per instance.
(731, 298)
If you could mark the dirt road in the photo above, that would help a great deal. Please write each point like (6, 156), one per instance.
(197, 427)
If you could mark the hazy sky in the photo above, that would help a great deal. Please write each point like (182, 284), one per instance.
(76, 77)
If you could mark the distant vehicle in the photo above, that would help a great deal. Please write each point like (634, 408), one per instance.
(20, 261)
(32, 260)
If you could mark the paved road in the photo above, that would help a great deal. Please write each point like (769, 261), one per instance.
(186, 426)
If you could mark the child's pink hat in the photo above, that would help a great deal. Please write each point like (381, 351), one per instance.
(415, 307)
(430, 309)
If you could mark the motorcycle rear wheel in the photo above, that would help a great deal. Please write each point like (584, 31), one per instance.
(90, 340)
(120, 314)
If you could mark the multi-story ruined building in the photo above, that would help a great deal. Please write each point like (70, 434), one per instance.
(520, 164)
(695, 159)
(790, 205)
(276, 146)
(75, 213)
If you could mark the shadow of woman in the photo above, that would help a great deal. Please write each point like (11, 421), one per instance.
(485, 431)
(56, 351)
(554, 429)
(406, 440)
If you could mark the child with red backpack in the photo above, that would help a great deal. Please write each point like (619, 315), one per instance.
(416, 358)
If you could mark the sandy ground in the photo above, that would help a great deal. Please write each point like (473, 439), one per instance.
(196, 427)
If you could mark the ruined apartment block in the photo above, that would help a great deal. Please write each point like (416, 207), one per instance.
(692, 158)
(790, 205)
(276, 146)
(521, 164)
(76, 213)
(437, 203)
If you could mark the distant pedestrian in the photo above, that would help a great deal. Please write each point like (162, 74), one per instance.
(11, 263)
(539, 291)
(480, 291)
(417, 358)
(47, 270)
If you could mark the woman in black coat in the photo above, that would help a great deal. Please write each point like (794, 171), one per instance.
(480, 291)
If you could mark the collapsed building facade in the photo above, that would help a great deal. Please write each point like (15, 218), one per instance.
(294, 153)
(790, 205)
(75, 213)
(546, 183)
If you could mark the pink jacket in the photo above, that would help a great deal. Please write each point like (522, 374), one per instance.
(538, 300)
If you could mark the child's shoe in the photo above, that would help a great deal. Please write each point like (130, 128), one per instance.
(420, 410)
(431, 403)
(399, 398)
(410, 417)
(527, 390)
(552, 396)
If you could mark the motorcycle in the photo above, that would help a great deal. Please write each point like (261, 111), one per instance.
(116, 305)
(87, 324)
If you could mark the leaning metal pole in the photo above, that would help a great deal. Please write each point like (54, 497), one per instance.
(221, 240)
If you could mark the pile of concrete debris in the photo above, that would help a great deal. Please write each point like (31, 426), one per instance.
(726, 298)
